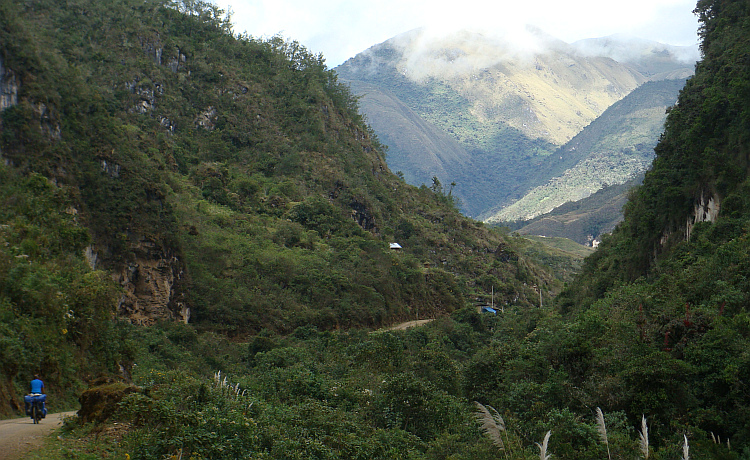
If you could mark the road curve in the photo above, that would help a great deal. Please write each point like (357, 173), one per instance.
(20, 435)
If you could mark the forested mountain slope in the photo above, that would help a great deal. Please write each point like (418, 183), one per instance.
(156, 167)
(697, 183)
(505, 104)
(676, 269)
(613, 149)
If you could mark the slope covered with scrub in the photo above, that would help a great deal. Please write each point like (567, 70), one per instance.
(674, 272)
(157, 167)
(181, 169)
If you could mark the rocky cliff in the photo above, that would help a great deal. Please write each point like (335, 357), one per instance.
(8, 87)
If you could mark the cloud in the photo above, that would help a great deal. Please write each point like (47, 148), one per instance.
(432, 52)
(342, 28)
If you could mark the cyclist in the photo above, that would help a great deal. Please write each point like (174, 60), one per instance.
(36, 394)
(37, 386)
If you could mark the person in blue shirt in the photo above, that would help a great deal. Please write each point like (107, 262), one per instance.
(37, 386)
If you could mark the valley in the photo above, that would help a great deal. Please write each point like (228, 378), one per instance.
(507, 125)
(204, 241)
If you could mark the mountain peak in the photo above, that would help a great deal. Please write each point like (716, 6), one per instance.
(506, 99)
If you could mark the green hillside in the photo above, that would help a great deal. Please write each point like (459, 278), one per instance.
(607, 154)
(416, 148)
(157, 168)
(613, 149)
(445, 138)
(676, 266)
(584, 221)
(194, 252)
(468, 108)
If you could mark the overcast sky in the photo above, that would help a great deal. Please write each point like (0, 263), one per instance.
(339, 29)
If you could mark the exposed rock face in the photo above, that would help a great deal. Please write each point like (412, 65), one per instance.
(8, 87)
(207, 118)
(48, 125)
(705, 210)
(150, 283)
(363, 216)
(177, 62)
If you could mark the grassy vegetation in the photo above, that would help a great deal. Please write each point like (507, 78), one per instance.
(279, 212)
(238, 170)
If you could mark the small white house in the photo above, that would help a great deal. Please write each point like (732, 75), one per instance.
(395, 246)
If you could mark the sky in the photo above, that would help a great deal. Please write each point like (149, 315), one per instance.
(339, 29)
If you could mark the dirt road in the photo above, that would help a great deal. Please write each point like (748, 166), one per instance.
(408, 324)
(20, 435)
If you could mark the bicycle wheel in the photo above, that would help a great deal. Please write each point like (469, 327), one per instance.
(34, 414)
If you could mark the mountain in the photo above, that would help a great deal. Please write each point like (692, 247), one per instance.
(157, 168)
(584, 221)
(194, 251)
(657, 61)
(695, 191)
(612, 150)
(675, 269)
(429, 150)
(507, 104)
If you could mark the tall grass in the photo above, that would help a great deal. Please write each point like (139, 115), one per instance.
(492, 424)
(543, 447)
(494, 427)
(643, 438)
(602, 428)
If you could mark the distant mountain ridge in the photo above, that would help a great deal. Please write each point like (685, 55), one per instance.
(495, 109)
(429, 151)
(612, 150)
(583, 221)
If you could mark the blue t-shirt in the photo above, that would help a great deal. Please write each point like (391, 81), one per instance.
(37, 386)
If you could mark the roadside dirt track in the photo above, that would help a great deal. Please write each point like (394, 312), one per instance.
(20, 435)
(408, 324)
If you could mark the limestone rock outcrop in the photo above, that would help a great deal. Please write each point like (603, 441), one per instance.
(151, 284)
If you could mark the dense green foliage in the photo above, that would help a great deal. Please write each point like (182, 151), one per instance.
(55, 312)
(680, 280)
(239, 168)
(243, 158)
(148, 125)
(408, 394)
(703, 153)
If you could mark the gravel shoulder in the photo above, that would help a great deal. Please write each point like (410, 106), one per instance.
(20, 435)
